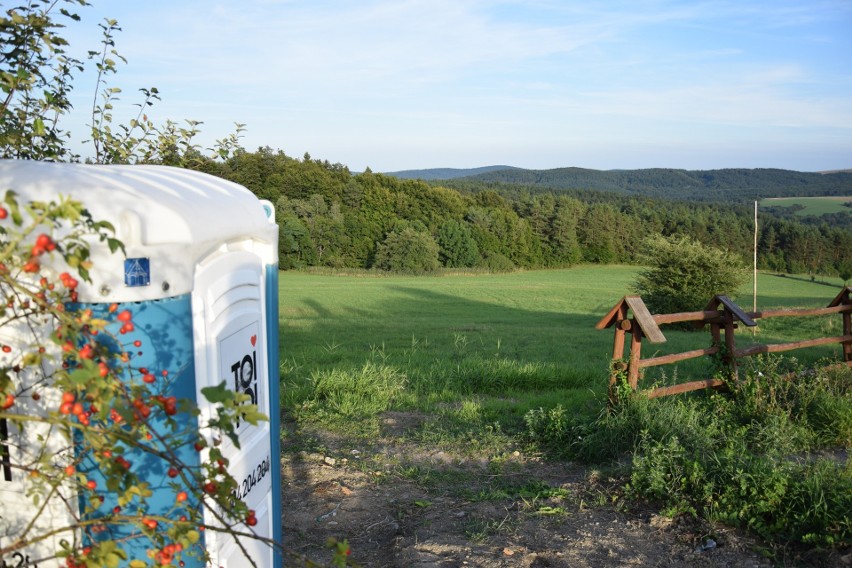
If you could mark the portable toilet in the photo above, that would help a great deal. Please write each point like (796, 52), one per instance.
(200, 276)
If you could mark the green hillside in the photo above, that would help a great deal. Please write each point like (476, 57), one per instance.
(807, 206)
(734, 184)
(446, 173)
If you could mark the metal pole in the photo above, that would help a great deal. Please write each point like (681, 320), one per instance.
(754, 278)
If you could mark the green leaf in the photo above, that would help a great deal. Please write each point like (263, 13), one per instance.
(80, 376)
(114, 245)
(218, 394)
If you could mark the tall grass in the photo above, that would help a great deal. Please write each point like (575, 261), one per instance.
(770, 455)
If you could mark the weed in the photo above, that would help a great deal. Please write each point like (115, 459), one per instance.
(478, 531)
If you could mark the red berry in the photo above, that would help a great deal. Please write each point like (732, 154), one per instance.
(3, 213)
(6, 349)
(210, 487)
(149, 378)
(92, 484)
(10, 400)
(32, 265)
(251, 521)
(65, 407)
(137, 343)
(181, 497)
(43, 241)
(69, 470)
(173, 472)
(124, 316)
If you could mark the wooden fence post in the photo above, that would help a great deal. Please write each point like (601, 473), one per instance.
(730, 345)
(844, 298)
(635, 355)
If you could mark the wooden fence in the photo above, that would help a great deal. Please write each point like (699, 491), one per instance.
(631, 316)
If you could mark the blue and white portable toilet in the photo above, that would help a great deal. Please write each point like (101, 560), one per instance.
(201, 278)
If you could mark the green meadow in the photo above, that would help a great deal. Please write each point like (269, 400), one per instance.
(812, 205)
(354, 346)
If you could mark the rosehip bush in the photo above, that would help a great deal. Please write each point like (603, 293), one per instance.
(70, 387)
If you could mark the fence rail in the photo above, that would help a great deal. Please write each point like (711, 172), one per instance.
(631, 316)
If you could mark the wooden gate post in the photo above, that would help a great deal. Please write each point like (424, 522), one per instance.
(731, 314)
(844, 298)
(635, 355)
(642, 325)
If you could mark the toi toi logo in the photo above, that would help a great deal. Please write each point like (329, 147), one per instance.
(245, 374)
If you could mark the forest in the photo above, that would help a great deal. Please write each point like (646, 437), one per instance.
(729, 184)
(329, 216)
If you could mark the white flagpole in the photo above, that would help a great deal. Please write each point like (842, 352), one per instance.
(754, 298)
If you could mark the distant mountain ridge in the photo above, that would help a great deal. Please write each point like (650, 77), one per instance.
(729, 184)
(446, 173)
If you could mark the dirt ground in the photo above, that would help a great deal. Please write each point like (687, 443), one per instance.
(404, 505)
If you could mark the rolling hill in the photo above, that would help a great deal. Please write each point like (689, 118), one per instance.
(731, 184)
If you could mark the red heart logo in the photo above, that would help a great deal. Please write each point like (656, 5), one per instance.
(253, 340)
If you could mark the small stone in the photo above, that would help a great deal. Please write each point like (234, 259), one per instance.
(328, 460)
(508, 552)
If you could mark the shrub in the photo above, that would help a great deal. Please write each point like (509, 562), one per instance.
(683, 274)
(757, 457)
(408, 250)
(496, 262)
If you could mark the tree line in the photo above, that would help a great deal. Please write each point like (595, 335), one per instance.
(330, 217)
(730, 184)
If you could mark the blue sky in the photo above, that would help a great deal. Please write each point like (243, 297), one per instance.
(409, 84)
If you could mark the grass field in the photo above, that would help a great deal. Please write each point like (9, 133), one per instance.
(812, 205)
(487, 366)
(485, 348)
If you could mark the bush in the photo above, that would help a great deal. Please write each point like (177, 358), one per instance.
(408, 250)
(683, 274)
(496, 262)
(759, 457)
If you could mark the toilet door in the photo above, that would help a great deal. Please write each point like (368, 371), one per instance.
(230, 346)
